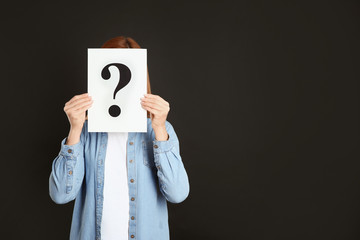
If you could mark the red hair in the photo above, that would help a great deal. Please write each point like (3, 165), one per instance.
(126, 42)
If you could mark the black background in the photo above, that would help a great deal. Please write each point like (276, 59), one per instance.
(263, 96)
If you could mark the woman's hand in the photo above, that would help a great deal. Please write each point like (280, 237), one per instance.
(159, 109)
(75, 110)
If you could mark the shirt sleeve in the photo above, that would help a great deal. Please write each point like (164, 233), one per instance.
(173, 179)
(67, 171)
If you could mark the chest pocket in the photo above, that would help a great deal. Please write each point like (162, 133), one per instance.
(148, 154)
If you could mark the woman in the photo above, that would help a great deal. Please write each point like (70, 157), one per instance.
(121, 182)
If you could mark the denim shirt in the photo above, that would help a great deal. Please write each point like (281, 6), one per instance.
(156, 174)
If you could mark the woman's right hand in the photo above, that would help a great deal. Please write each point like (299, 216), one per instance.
(75, 110)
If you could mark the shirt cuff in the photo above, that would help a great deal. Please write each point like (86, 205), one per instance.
(70, 151)
(163, 146)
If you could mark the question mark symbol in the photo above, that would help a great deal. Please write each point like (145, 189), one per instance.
(125, 76)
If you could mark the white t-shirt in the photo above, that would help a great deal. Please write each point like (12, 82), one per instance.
(115, 217)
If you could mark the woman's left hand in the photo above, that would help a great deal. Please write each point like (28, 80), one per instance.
(158, 108)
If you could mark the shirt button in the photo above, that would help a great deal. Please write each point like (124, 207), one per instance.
(69, 151)
(158, 167)
(70, 172)
(131, 180)
(132, 217)
(131, 143)
(155, 146)
(132, 236)
(131, 160)
(132, 199)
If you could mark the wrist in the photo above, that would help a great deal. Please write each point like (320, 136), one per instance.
(74, 136)
(76, 128)
(161, 134)
(159, 128)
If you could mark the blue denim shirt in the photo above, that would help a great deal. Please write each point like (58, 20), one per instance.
(156, 174)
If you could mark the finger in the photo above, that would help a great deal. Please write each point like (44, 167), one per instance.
(74, 108)
(77, 97)
(152, 105)
(79, 106)
(160, 101)
(152, 110)
(161, 108)
(84, 108)
(152, 96)
(149, 95)
(78, 102)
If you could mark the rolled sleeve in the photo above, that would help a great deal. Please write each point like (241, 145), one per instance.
(173, 179)
(70, 151)
(163, 146)
(67, 171)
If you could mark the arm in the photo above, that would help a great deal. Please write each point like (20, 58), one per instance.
(173, 179)
(68, 168)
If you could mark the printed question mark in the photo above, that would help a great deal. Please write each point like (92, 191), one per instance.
(125, 76)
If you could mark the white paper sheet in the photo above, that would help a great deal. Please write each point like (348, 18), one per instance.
(124, 65)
